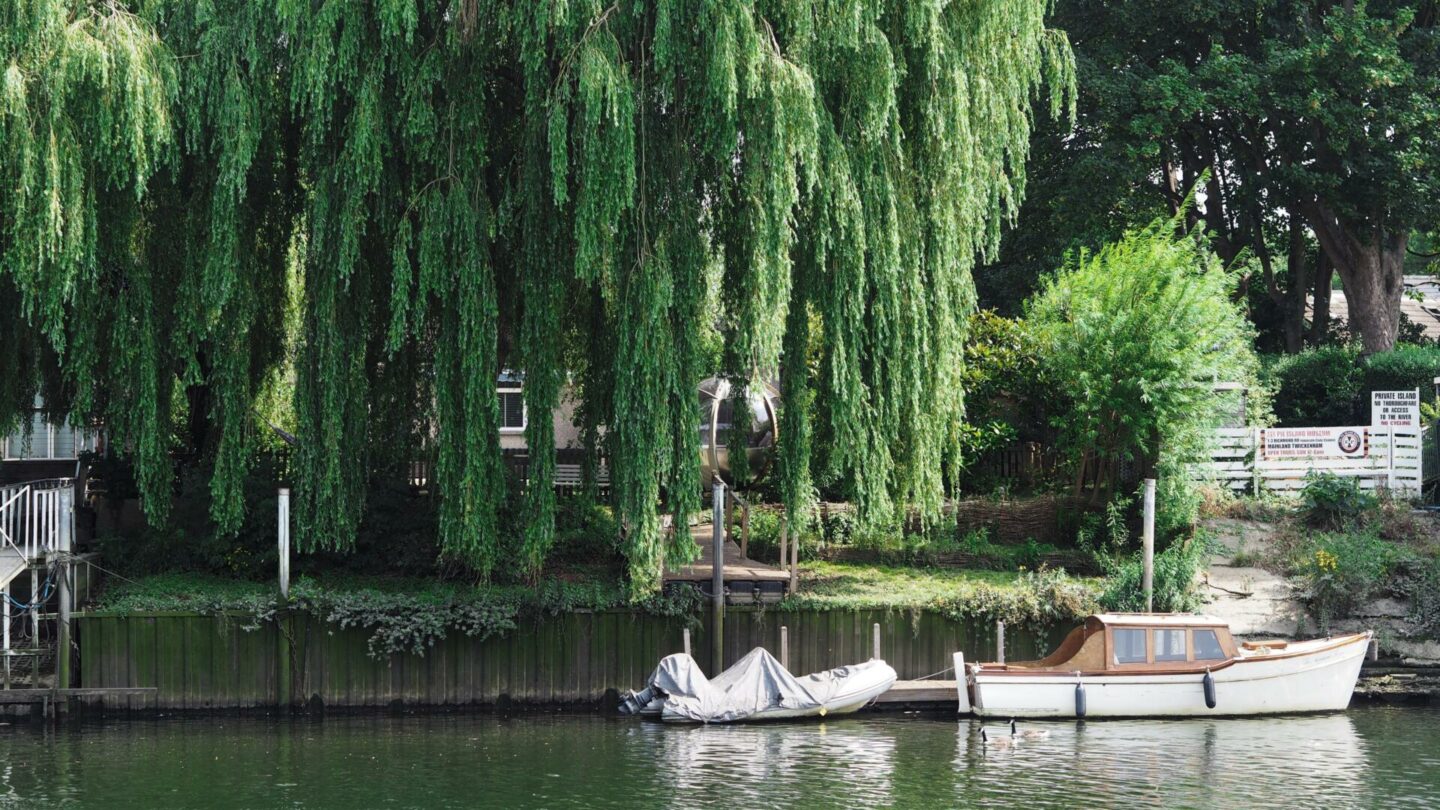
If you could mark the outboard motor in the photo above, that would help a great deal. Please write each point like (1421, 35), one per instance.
(633, 702)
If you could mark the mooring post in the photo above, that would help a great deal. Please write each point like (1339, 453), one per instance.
(282, 510)
(875, 642)
(685, 637)
(784, 646)
(999, 642)
(717, 581)
(1147, 577)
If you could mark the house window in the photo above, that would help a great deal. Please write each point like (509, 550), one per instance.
(1207, 646)
(1130, 646)
(1169, 645)
(512, 410)
(47, 442)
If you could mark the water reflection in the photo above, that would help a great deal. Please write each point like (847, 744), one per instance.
(1368, 757)
(1311, 760)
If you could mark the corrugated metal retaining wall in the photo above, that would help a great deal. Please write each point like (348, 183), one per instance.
(211, 662)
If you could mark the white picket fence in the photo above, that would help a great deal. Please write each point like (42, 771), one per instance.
(1393, 462)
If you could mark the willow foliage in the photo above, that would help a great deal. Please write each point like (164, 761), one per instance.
(472, 186)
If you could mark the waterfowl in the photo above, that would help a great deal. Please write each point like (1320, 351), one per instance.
(1029, 733)
(999, 742)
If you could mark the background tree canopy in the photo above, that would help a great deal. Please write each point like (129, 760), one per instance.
(1306, 127)
(431, 192)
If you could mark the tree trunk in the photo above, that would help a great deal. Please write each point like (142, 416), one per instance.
(1372, 272)
(1293, 306)
(1320, 309)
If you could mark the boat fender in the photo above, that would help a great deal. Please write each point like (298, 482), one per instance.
(1079, 698)
(1209, 683)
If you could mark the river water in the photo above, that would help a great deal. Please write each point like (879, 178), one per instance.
(1378, 757)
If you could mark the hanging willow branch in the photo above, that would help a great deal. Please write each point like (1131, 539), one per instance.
(627, 196)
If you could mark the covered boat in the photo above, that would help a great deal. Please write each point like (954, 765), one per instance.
(1167, 665)
(757, 687)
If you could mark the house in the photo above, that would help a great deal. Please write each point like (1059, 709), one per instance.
(48, 451)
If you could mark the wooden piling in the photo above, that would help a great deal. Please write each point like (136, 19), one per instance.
(784, 646)
(875, 641)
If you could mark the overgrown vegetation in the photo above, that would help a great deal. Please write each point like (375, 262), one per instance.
(1026, 598)
(402, 615)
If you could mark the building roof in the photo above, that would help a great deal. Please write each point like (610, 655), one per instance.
(1425, 312)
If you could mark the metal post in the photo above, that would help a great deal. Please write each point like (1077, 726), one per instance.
(282, 510)
(794, 563)
(784, 646)
(1147, 577)
(875, 642)
(62, 651)
(745, 529)
(5, 595)
(717, 580)
(999, 642)
(784, 527)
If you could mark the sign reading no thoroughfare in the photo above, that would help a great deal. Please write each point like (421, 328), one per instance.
(1395, 409)
(1314, 442)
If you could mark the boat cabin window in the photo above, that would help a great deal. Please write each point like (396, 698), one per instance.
(1130, 646)
(1170, 644)
(1207, 646)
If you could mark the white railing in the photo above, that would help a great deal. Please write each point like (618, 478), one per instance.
(1393, 462)
(38, 517)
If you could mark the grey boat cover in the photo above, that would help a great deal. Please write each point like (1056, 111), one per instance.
(756, 683)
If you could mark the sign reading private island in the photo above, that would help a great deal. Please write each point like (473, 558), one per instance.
(1395, 409)
(1315, 442)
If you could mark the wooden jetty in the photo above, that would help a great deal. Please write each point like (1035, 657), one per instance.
(737, 566)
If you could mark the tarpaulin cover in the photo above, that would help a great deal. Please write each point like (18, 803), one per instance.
(758, 685)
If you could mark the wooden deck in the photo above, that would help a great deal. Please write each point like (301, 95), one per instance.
(738, 568)
(929, 694)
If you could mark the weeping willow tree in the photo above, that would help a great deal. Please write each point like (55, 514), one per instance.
(468, 187)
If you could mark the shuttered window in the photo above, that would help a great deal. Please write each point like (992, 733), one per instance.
(512, 409)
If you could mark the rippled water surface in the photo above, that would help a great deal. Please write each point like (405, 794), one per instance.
(1368, 757)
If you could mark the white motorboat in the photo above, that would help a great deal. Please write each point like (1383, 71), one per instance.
(756, 688)
(1166, 665)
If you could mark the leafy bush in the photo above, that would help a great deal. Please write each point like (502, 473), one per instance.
(1134, 334)
(1176, 568)
(1315, 387)
(1341, 571)
(1403, 368)
(1039, 599)
(1331, 501)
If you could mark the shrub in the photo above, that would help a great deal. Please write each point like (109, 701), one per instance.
(1401, 369)
(1135, 333)
(1174, 579)
(1315, 387)
(1039, 599)
(1341, 571)
(1331, 501)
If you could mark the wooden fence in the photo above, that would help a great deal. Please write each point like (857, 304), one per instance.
(1393, 462)
(211, 662)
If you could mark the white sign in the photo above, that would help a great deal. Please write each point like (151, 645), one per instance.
(1315, 442)
(1395, 409)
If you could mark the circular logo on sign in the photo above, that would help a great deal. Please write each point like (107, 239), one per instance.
(1349, 441)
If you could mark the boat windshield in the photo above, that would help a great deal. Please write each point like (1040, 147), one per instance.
(1207, 646)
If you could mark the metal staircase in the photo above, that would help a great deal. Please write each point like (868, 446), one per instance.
(37, 531)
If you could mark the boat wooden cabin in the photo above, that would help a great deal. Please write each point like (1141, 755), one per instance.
(1137, 642)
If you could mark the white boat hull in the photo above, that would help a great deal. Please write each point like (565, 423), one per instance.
(1315, 676)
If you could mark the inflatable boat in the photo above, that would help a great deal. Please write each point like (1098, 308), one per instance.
(756, 688)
